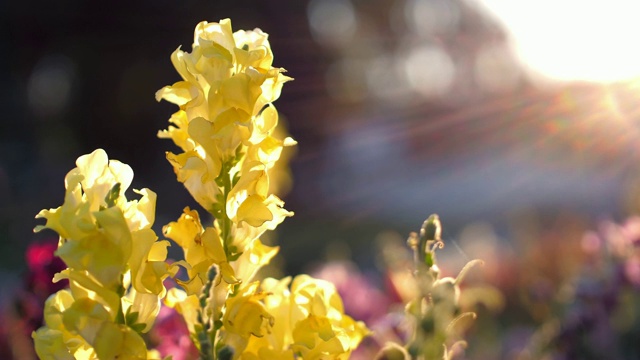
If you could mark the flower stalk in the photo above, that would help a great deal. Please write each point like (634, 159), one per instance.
(432, 305)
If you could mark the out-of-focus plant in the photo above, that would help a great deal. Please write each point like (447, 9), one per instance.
(23, 313)
(598, 311)
(433, 323)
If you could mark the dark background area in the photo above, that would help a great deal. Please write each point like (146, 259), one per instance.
(377, 151)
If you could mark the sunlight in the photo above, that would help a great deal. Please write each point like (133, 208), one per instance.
(573, 39)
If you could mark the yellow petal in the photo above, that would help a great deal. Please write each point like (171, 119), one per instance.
(240, 92)
(116, 229)
(306, 330)
(185, 230)
(187, 305)
(254, 211)
(255, 256)
(119, 342)
(82, 285)
(86, 317)
(50, 344)
(179, 93)
(246, 315)
(146, 305)
(212, 244)
(207, 33)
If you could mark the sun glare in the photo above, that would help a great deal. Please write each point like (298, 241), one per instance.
(573, 39)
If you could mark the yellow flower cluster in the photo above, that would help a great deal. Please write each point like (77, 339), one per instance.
(115, 265)
(226, 110)
(306, 321)
(226, 128)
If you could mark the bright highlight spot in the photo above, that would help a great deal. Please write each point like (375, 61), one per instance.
(572, 39)
(432, 17)
(332, 21)
(430, 71)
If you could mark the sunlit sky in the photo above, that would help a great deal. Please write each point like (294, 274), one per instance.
(574, 39)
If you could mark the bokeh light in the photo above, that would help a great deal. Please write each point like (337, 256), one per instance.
(430, 71)
(50, 85)
(332, 21)
(432, 17)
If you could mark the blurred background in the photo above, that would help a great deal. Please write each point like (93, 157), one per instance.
(514, 121)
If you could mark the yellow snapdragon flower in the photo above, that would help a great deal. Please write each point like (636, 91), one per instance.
(225, 127)
(309, 322)
(101, 232)
(245, 313)
(116, 266)
(83, 329)
(55, 341)
(320, 329)
(202, 248)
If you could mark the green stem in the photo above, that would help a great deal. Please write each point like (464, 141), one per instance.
(225, 221)
(204, 319)
(209, 332)
(120, 315)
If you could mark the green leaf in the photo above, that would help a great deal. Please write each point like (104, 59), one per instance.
(235, 179)
(131, 317)
(429, 259)
(234, 256)
(112, 195)
(138, 327)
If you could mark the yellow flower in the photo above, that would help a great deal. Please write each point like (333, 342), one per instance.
(50, 344)
(321, 329)
(225, 108)
(280, 338)
(54, 340)
(114, 264)
(104, 252)
(187, 305)
(254, 257)
(224, 70)
(246, 315)
(83, 285)
(309, 322)
(202, 248)
(99, 227)
(81, 328)
(197, 172)
(145, 307)
(147, 263)
(115, 341)
(251, 208)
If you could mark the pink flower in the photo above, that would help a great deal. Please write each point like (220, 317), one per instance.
(171, 335)
(42, 266)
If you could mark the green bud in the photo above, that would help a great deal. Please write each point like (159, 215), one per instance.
(430, 234)
(431, 229)
(392, 351)
(226, 353)
(212, 272)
